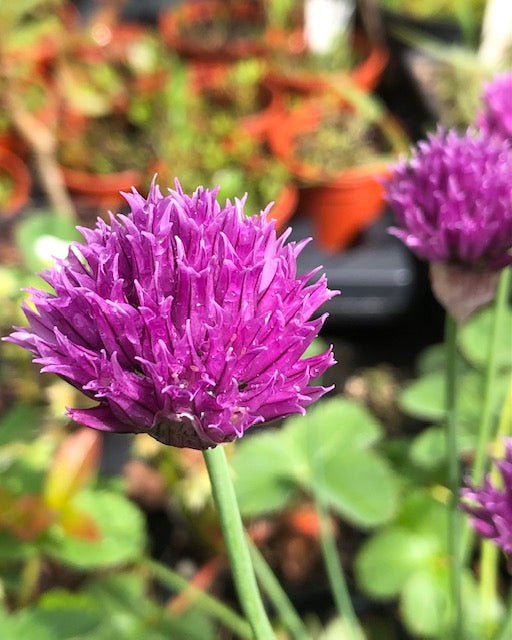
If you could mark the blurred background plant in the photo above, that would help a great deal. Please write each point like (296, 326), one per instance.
(450, 68)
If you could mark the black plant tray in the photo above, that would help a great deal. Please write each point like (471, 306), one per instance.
(377, 276)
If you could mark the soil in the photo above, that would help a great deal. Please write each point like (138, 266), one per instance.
(331, 145)
(109, 147)
(214, 34)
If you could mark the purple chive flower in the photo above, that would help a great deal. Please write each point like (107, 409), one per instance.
(490, 507)
(496, 116)
(182, 319)
(453, 200)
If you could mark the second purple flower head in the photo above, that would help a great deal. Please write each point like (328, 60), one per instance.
(453, 200)
(453, 204)
(495, 118)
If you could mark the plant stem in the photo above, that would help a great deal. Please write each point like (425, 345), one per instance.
(29, 580)
(485, 429)
(234, 538)
(489, 557)
(208, 603)
(285, 610)
(454, 541)
(488, 585)
(505, 632)
(335, 572)
(485, 434)
(334, 568)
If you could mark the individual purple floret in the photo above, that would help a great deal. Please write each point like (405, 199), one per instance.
(496, 116)
(183, 319)
(490, 507)
(453, 200)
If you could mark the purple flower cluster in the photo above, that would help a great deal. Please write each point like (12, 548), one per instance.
(453, 200)
(496, 115)
(490, 507)
(182, 319)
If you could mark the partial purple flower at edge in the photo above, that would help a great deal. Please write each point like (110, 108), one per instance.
(453, 200)
(490, 507)
(182, 319)
(496, 116)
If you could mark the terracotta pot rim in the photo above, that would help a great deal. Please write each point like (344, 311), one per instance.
(365, 74)
(360, 174)
(101, 184)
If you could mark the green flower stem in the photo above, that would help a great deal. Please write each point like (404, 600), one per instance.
(505, 632)
(485, 430)
(489, 558)
(454, 540)
(333, 566)
(210, 605)
(29, 579)
(489, 565)
(234, 538)
(285, 610)
(335, 573)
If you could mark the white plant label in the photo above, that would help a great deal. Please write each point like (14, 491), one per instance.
(324, 21)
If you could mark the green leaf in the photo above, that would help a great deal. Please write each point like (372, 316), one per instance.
(474, 338)
(425, 398)
(261, 476)
(424, 601)
(67, 615)
(387, 560)
(421, 513)
(22, 625)
(338, 432)
(475, 625)
(121, 526)
(428, 449)
(21, 477)
(43, 235)
(332, 426)
(191, 625)
(360, 486)
(11, 548)
(337, 630)
(19, 424)
(431, 359)
(130, 615)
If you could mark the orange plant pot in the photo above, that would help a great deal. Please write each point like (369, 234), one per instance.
(12, 142)
(341, 209)
(102, 190)
(365, 75)
(342, 204)
(14, 168)
(173, 23)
